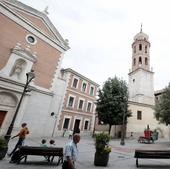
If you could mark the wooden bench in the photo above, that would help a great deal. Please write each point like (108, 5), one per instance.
(151, 154)
(51, 152)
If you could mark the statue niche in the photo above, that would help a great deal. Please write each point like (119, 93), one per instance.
(18, 69)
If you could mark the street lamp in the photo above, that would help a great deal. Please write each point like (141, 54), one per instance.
(30, 76)
(122, 142)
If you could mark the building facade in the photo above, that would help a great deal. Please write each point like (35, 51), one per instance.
(28, 40)
(78, 102)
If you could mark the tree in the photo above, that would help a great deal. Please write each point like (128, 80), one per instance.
(162, 107)
(112, 102)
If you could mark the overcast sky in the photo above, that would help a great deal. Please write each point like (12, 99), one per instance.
(100, 34)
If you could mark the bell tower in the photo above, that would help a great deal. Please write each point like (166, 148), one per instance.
(141, 88)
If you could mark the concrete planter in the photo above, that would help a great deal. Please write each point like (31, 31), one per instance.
(3, 152)
(101, 159)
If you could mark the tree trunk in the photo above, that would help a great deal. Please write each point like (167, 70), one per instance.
(115, 132)
(110, 126)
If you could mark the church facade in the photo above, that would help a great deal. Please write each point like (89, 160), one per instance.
(28, 40)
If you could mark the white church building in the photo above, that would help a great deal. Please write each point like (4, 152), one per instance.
(141, 90)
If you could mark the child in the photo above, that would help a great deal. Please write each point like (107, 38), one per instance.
(52, 143)
(43, 143)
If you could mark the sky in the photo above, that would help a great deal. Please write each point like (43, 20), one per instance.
(100, 34)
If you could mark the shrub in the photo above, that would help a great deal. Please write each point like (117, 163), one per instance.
(101, 143)
(3, 143)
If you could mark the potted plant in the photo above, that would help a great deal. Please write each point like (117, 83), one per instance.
(101, 157)
(3, 147)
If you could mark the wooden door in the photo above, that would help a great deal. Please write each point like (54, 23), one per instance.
(2, 117)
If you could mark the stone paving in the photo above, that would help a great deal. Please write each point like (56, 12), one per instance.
(121, 157)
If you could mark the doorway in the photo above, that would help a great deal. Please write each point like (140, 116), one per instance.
(2, 117)
(76, 126)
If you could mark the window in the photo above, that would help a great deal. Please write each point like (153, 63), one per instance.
(75, 83)
(140, 60)
(139, 115)
(71, 101)
(145, 49)
(84, 87)
(81, 104)
(146, 61)
(91, 90)
(31, 39)
(86, 125)
(134, 61)
(134, 49)
(66, 123)
(89, 105)
(140, 46)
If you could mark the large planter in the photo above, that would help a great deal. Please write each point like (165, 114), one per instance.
(101, 159)
(3, 152)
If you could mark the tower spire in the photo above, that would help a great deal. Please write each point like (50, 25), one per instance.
(141, 28)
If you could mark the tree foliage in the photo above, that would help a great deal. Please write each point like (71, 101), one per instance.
(162, 107)
(112, 102)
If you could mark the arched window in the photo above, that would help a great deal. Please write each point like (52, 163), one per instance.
(140, 60)
(134, 61)
(140, 46)
(134, 49)
(146, 61)
(146, 49)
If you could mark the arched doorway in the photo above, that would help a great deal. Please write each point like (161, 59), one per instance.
(8, 102)
(2, 117)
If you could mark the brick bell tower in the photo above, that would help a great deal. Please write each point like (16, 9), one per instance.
(141, 88)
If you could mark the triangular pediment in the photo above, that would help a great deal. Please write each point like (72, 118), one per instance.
(37, 19)
(37, 22)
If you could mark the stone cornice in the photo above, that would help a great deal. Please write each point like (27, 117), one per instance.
(81, 94)
(138, 69)
(75, 112)
(19, 84)
(24, 53)
(81, 76)
(140, 104)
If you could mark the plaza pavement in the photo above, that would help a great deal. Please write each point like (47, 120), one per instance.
(121, 157)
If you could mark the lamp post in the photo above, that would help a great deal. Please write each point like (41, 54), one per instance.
(30, 76)
(122, 141)
(94, 128)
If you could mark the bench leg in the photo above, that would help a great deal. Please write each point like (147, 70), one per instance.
(52, 158)
(60, 160)
(137, 162)
(19, 160)
(25, 160)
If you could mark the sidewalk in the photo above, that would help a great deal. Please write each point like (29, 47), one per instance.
(121, 157)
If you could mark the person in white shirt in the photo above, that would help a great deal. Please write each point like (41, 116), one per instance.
(71, 153)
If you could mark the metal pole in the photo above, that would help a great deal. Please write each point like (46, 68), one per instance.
(30, 76)
(122, 142)
(8, 134)
(94, 126)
